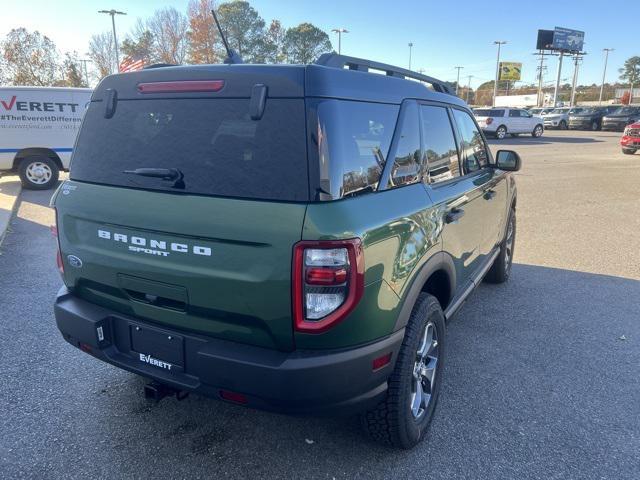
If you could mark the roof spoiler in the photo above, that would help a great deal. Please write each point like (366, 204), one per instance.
(335, 60)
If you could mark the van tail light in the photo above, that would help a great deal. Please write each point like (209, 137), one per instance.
(54, 232)
(328, 282)
(489, 121)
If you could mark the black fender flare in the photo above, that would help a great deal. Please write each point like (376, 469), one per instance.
(439, 261)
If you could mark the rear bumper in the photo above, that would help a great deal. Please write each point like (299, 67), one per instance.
(335, 381)
(614, 126)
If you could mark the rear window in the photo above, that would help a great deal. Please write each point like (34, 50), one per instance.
(212, 142)
(489, 112)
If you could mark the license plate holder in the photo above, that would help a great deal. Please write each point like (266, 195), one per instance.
(157, 343)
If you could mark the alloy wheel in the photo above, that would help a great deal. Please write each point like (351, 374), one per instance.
(424, 371)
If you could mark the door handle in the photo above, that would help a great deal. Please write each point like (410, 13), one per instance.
(489, 194)
(454, 215)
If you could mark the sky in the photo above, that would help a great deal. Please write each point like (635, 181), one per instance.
(444, 34)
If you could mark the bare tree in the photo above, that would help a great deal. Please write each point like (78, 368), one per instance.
(29, 59)
(102, 54)
(203, 34)
(169, 30)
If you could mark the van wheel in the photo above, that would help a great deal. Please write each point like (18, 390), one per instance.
(501, 268)
(38, 173)
(401, 420)
(501, 132)
(537, 131)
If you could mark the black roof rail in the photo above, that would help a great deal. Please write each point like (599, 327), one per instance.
(352, 63)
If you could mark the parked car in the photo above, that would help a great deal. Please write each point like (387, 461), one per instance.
(539, 111)
(287, 237)
(39, 127)
(630, 140)
(589, 118)
(620, 118)
(500, 122)
(559, 117)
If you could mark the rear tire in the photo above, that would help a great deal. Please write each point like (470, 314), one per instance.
(501, 132)
(401, 420)
(628, 151)
(501, 268)
(38, 172)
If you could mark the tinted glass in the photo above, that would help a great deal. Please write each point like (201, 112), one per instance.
(406, 165)
(474, 150)
(441, 154)
(489, 112)
(213, 142)
(353, 141)
(514, 113)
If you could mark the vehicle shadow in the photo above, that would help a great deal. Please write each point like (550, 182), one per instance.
(520, 355)
(545, 139)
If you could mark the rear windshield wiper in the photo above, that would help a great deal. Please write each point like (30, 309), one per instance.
(170, 174)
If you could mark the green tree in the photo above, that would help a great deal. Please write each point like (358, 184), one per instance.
(72, 74)
(29, 58)
(139, 43)
(274, 43)
(244, 29)
(630, 73)
(305, 43)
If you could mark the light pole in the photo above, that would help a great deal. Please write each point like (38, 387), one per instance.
(113, 14)
(495, 85)
(458, 80)
(410, 47)
(469, 88)
(84, 67)
(604, 72)
(340, 31)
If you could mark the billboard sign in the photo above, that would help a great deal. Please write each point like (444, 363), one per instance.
(510, 71)
(545, 39)
(567, 40)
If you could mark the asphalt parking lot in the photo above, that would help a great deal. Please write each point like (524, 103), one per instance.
(541, 379)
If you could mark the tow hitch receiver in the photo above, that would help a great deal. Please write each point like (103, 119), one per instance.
(157, 391)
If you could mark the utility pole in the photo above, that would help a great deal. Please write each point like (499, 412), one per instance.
(468, 87)
(576, 65)
(84, 68)
(113, 14)
(604, 72)
(555, 91)
(540, 75)
(340, 31)
(410, 47)
(495, 85)
(458, 81)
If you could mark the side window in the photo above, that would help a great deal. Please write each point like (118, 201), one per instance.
(525, 114)
(441, 153)
(406, 164)
(474, 150)
(514, 113)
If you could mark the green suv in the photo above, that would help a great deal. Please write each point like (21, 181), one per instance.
(286, 237)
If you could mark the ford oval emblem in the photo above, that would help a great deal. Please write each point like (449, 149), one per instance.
(74, 261)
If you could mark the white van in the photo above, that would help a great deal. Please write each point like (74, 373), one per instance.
(38, 127)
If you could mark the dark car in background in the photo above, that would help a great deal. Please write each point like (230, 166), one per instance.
(620, 118)
(589, 118)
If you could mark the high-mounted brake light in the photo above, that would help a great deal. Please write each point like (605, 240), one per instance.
(183, 86)
(328, 282)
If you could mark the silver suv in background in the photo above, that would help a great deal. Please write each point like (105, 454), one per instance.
(500, 122)
(559, 117)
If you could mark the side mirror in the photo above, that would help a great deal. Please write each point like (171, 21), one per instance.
(508, 160)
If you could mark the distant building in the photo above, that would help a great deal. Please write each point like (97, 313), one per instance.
(621, 91)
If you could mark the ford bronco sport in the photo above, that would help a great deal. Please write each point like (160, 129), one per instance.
(287, 237)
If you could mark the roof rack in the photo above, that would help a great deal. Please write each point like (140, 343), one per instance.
(335, 60)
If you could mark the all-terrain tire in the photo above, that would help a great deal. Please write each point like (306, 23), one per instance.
(392, 422)
(501, 268)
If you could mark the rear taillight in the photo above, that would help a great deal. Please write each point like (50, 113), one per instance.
(328, 282)
(54, 232)
(489, 121)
